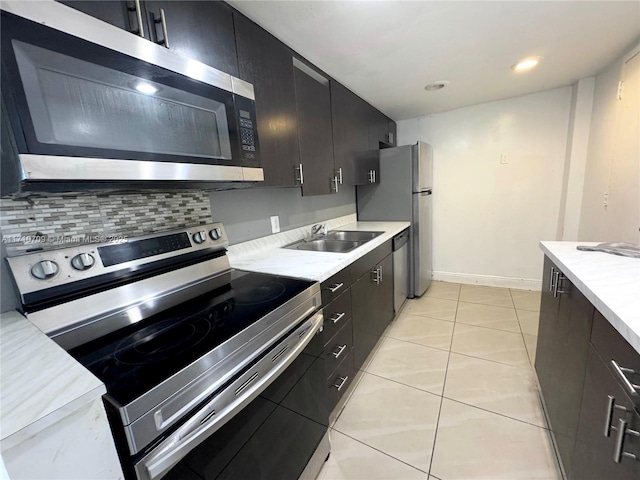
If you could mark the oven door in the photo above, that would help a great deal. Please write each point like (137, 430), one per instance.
(72, 97)
(269, 422)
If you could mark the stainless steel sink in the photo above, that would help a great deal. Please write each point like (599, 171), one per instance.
(336, 241)
(354, 236)
(322, 245)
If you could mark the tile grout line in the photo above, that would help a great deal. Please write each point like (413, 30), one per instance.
(379, 451)
(444, 384)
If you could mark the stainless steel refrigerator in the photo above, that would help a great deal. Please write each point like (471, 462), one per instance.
(404, 193)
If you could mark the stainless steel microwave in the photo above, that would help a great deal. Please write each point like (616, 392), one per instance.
(90, 104)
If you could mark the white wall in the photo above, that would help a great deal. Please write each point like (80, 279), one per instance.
(607, 170)
(489, 217)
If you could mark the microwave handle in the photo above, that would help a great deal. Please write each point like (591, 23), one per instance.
(162, 20)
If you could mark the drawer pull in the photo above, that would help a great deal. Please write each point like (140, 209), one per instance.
(335, 287)
(611, 405)
(340, 350)
(343, 380)
(632, 388)
(557, 278)
(336, 317)
(618, 449)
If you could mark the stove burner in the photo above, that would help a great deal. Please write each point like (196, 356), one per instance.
(253, 293)
(159, 344)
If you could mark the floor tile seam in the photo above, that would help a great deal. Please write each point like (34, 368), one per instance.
(430, 318)
(415, 343)
(487, 305)
(444, 384)
(405, 384)
(492, 328)
(494, 361)
(348, 400)
(379, 451)
(434, 295)
(525, 342)
(495, 413)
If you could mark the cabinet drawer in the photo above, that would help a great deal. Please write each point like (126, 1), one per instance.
(339, 382)
(612, 346)
(338, 348)
(335, 286)
(336, 315)
(365, 264)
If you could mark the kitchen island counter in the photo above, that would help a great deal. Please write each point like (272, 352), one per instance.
(610, 282)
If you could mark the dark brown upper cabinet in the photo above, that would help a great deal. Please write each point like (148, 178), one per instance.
(193, 29)
(266, 62)
(313, 101)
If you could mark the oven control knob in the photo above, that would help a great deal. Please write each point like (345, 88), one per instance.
(215, 234)
(44, 270)
(83, 261)
(199, 237)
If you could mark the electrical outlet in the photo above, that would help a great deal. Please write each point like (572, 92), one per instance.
(275, 224)
(605, 200)
(504, 158)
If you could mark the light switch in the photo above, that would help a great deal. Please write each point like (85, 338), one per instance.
(504, 158)
(275, 224)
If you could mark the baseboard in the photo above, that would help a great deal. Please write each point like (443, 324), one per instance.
(489, 280)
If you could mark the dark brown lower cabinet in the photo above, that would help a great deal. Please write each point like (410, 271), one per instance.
(593, 457)
(564, 331)
(372, 307)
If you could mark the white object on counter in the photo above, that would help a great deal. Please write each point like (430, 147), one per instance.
(266, 255)
(610, 282)
(53, 421)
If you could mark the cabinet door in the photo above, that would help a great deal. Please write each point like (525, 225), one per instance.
(562, 363)
(365, 333)
(393, 133)
(199, 30)
(384, 296)
(266, 62)
(313, 102)
(117, 13)
(593, 457)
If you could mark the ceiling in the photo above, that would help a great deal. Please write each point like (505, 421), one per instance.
(387, 51)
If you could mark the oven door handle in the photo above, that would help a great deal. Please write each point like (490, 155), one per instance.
(206, 421)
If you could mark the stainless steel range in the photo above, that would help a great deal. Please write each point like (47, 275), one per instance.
(210, 372)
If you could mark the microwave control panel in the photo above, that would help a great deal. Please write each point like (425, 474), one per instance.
(246, 113)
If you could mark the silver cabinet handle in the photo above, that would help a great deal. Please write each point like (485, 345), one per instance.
(618, 449)
(611, 405)
(136, 8)
(558, 276)
(632, 388)
(372, 176)
(340, 175)
(375, 276)
(335, 287)
(299, 178)
(380, 273)
(334, 187)
(552, 279)
(341, 349)
(337, 317)
(343, 380)
(163, 21)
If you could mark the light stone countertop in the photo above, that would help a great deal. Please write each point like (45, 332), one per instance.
(610, 282)
(39, 381)
(265, 255)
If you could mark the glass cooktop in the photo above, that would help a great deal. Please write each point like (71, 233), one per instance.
(134, 359)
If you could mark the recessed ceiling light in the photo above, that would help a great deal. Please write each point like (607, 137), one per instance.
(526, 64)
(432, 87)
(146, 88)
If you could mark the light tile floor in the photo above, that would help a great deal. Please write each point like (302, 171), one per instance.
(449, 393)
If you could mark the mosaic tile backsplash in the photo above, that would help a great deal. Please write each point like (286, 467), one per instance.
(56, 221)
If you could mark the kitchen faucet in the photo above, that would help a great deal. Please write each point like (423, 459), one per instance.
(318, 229)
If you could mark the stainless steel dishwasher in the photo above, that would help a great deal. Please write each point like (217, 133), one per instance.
(400, 269)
